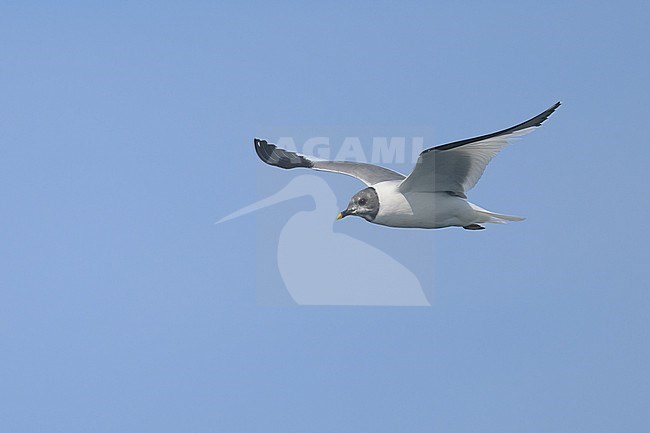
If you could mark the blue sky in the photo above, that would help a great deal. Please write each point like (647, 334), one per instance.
(123, 308)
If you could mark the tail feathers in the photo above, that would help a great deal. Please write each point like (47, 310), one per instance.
(503, 217)
(493, 217)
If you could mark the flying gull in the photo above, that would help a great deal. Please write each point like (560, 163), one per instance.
(432, 196)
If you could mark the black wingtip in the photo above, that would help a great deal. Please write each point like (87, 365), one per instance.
(540, 118)
(537, 120)
(272, 155)
(263, 149)
(532, 122)
(260, 147)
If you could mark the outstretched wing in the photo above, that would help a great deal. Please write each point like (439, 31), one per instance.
(456, 167)
(367, 173)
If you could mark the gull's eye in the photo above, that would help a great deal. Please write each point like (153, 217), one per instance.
(362, 201)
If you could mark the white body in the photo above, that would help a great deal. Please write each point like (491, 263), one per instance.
(428, 210)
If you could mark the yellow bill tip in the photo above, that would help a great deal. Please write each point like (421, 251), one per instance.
(339, 216)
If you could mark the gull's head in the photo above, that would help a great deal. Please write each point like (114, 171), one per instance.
(364, 204)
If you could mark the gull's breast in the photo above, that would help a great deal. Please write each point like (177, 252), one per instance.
(419, 209)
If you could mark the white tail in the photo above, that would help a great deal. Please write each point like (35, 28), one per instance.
(495, 217)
